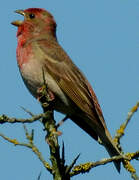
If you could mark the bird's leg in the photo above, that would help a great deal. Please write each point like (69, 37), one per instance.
(46, 97)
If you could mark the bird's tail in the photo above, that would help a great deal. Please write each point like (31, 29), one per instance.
(104, 136)
(112, 149)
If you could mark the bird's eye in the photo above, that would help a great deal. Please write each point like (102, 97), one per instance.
(32, 16)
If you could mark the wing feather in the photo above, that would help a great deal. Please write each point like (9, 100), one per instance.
(70, 79)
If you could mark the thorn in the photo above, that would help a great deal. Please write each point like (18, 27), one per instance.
(27, 111)
(68, 169)
(25, 129)
(39, 177)
(28, 136)
(63, 154)
(32, 134)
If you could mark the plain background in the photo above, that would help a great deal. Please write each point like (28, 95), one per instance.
(102, 38)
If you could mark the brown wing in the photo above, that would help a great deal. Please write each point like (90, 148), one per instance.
(71, 80)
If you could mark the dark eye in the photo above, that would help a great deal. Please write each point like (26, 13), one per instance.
(32, 16)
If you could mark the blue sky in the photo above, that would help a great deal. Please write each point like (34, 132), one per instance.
(102, 38)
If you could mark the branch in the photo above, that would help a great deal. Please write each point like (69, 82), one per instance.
(120, 131)
(29, 145)
(86, 167)
(58, 166)
(59, 170)
(6, 119)
(119, 134)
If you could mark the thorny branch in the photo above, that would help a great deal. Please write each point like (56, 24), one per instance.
(58, 165)
(59, 170)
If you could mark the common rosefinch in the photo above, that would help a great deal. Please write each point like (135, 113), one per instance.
(38, 49)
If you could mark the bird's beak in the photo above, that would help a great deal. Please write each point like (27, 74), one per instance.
(18, 22)
(20, 12)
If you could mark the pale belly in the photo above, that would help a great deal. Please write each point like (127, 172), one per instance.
(32, 74)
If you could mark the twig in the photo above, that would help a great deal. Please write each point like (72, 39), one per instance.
(86, 167)
(27, 111)
(6, 119)
(127, 165)
(29, 145)
(120, 131)
(119, 135)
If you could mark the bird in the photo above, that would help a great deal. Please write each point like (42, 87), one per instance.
(37, 49)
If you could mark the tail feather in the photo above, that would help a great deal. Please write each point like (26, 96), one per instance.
(101, 133)
(112, 149)
(113, 152)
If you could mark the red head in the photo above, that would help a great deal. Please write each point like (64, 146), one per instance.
(36, 21)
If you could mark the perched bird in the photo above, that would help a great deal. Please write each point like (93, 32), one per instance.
(39, 49)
